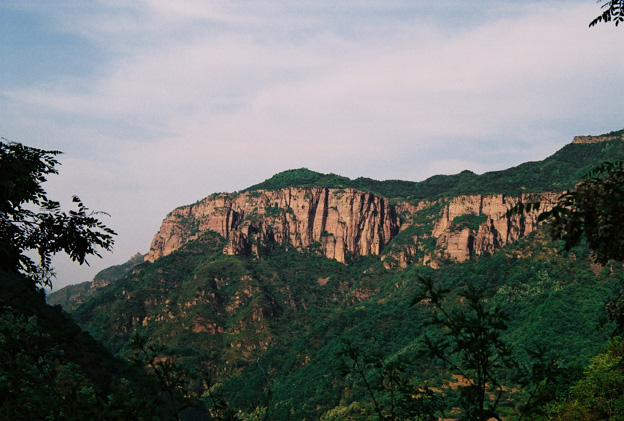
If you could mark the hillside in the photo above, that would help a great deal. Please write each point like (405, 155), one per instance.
(259, 289)
(72, 296)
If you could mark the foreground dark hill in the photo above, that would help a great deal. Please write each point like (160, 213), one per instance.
(258, 289)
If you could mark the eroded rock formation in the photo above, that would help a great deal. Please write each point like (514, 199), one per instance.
(343, 222)
(459, 243)
(337, 222)
(596, 139)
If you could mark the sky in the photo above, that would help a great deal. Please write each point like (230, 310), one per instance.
(157, 104)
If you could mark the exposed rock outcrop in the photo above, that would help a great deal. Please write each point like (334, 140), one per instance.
(596, 139)
(459, 242)
(336, 221)
(339, 223)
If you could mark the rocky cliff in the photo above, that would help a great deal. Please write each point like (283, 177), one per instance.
(597, 139)
(477, 224)
(337, 222)
(346, 222)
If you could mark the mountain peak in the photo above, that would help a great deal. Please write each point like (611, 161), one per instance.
(300, 177)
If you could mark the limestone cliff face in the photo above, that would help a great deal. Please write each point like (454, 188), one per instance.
(340, 222)
(335, 221)
(458, 242)
(596, 139)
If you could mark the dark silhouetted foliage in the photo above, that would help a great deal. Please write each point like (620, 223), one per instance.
(613, 11)
(79, 233)
(593, 209)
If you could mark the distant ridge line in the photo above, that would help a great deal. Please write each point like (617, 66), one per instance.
(597, 139)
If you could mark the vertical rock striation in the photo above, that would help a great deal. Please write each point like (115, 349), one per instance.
(459, 243)
(336, 221)
(346, 222)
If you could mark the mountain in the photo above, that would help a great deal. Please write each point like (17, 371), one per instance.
(555, 173)
(343, 224)
(344, 217)
(72, 296)
(260, 288)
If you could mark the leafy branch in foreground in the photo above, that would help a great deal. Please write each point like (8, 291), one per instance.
(612, 11)
(393, 395)
(472, 346)
(172, 379)
(175, 385)
(594, 209)
(79, 233)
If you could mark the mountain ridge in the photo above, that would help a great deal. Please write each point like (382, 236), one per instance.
(558, 172)
(430, 241)
(241, 298)
(307, 209)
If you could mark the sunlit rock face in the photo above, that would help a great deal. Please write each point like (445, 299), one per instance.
(345, 222)
(496, 231)
(596, 139)
(336, 222)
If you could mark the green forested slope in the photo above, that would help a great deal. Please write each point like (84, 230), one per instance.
(73, 295)
(279, 321)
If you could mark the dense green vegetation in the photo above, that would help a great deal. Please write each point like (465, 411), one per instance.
(246, 325)
(470, 221)
(111, 274)
(49, 368)
(72, 295)
(599, 393)
(291, 334)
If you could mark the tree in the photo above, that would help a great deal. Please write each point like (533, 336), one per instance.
(79, 233)
(472, 347)
(599, 395)
(612, 11)
(393, 395)
(594, 209)
(469, 341)
(172, 379)
(49, 368)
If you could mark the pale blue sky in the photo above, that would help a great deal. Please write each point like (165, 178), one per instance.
(159, 103)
